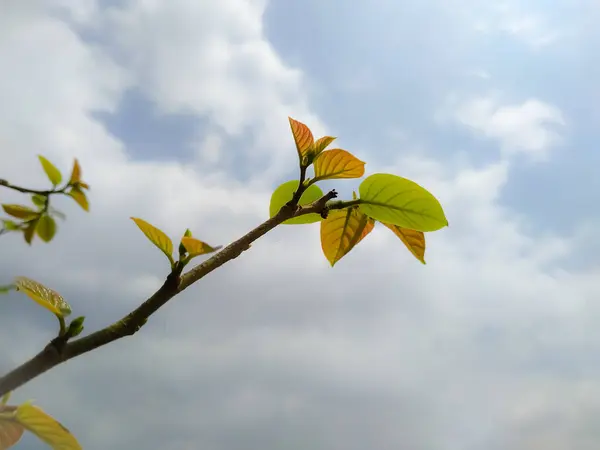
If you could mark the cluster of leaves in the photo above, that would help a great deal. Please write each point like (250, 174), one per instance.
(401, 205)
(40, 219)
(14, 420)
(189, 246)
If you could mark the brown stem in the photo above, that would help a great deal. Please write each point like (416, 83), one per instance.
(57, 352)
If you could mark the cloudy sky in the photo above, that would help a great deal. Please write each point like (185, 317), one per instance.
(177, 111)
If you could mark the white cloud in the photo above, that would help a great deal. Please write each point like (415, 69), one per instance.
(213, 59)
(531, 127)
(378, 352)
(525, 24)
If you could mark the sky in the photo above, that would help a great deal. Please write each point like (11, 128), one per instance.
(177, 112)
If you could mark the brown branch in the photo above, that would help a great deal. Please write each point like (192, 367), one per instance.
(58, 352)
(6, 184)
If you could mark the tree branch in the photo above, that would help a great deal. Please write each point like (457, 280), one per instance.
(58, 352)
(6, 184)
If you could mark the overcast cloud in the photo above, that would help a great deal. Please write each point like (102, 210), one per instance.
(177, 111)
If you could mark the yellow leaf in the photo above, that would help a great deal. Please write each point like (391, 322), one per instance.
(338, 164)
(46, 428)
(52, 172)
(322, 144)
(46, 228)
(10, 430)
(157, 237)
(75, 173)
(79, 196)
(342, 230)
(303, 138)
(43, 296)
(20, 211)
(196, 247)
(414, 240)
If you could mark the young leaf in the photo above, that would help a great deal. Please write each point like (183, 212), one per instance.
(10, 225)
(75, 173)
(398, 201)
(414, 240)
(342, 230)
(46, 428)
(29, 231)
(196, 247)
(11, 431)
(5, 399)
(157, 237)
(39, 200)
(46, 228)
(79, 196)
(322, 143)
(5, 289)
(20, 211)
(53, 173)
(182, 249)
(303, 138)
(338, 163)
(44, 296)
(284, 194)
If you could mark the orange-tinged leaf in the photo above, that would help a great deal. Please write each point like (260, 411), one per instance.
(46, 428)
(20, 211)
(79, 196)
(303, 137)
(322, 143)
(196, 247)
(10, 433)
(75, 173)
(414, 240)
(43, 296)
(338, 163)
(10, 430)
(84, 185)
(52, 172)
(46, 228)
(157, 237)
(342, 230)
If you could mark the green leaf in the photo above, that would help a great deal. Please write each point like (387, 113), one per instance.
(39, 200)
(5, 399)
(75, 327)
(10, 225)
(5, 289)
(29, 231)
(44, 296)
(46, 228)
(53, 173)
(20, 211)
(157, 237)
(46, 428)
(284, 194)
(398, 201)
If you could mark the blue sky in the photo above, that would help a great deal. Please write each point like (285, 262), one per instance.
(178, 113)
